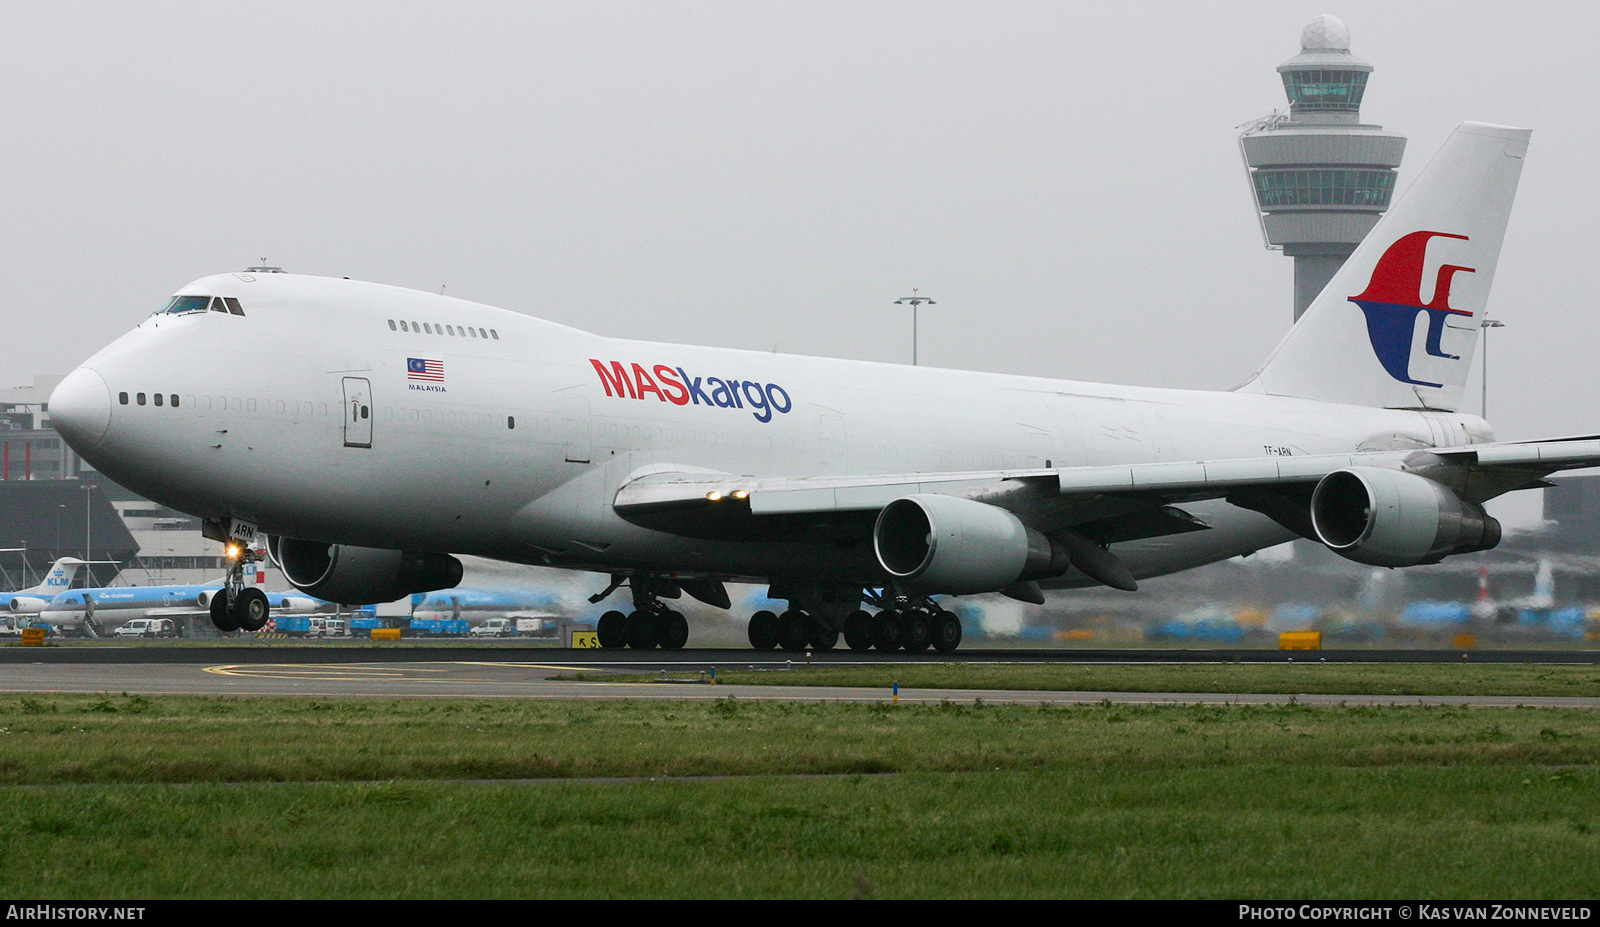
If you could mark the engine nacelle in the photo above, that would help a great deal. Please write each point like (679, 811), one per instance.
(1395, 519)
(28, 604)
(946, 544)
(360, 575)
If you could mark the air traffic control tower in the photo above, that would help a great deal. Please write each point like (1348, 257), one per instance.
(1321, 178)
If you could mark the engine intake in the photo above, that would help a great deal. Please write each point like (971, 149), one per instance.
(1395, 519)
(360, 575)
(946, 544)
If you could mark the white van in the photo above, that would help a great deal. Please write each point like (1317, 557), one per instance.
(147, 628)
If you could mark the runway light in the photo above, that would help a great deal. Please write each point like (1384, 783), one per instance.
(713, 496)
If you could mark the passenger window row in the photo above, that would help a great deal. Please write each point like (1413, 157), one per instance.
(451, 418)
(434, 328)
(297, 408)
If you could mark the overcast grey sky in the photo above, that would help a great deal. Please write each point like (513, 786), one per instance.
(1062, 177)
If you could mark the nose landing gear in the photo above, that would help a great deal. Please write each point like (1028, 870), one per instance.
(237, 607)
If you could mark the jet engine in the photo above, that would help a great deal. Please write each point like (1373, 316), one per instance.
(946, 544)
(360, 575)
(28, 604)
(1395, 519)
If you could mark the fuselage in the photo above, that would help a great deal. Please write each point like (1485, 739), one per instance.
(363, 414)
(115, 605)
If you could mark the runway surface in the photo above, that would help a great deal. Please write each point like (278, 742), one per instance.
(525, 672)
(237, 651)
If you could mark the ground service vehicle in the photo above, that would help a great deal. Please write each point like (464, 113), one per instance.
(311, 626)
(146, 628)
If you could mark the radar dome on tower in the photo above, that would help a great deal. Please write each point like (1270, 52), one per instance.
(1325, 33)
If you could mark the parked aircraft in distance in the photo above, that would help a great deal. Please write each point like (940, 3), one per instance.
(58, 578)
(409, 427)
(475, 604)
(111, 606)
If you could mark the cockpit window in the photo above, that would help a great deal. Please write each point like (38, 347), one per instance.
(224, 304)
(188, 304)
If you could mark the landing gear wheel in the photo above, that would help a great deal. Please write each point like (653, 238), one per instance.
(886, 631)
(916, 632)
(858, 631)
(764, 631)
(613, 630)
(219, 612)
(674, 631)
(822, 636)
(644, 631)
(792, 632)
(946, 631)
(250, 610)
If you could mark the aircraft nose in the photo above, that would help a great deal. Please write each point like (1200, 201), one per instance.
(80, 408)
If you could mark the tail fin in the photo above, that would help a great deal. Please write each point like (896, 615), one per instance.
(1396, 327)
(58, 578)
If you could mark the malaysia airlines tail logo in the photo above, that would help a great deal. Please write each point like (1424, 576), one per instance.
(1394, 297)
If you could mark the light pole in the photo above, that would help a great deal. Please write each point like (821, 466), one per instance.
(915, 301)
(88, 534)
(1485, 325)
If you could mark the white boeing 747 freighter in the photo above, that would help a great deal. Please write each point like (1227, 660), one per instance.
(368, 433)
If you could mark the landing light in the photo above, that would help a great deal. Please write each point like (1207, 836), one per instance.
(741, 493)
(233, 552)
(713, 496)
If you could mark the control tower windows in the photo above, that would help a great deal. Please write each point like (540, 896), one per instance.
(1324, 91)
(1278, 189)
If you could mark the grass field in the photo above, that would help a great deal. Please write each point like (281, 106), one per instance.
(130, 797)
(1311, 677)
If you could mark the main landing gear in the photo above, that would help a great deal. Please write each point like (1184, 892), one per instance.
(818, 620)
(651, 624)
(237, 607)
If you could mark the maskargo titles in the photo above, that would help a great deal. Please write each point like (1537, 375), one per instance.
(675, 385)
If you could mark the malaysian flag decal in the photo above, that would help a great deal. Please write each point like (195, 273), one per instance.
(422, 368)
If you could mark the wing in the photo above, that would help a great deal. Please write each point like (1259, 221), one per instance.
(1103, 504)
